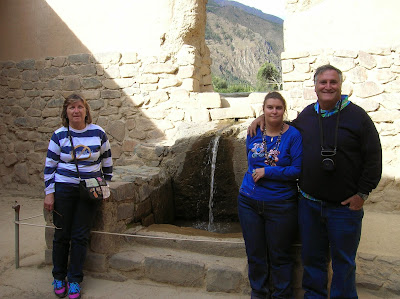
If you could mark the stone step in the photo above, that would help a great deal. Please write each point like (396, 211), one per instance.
(188, 239)
(217, 263)
(181, 268)
(175, 256)
(378, 258)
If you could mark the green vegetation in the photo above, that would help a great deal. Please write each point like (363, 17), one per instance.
(268, 78)
(223, 86)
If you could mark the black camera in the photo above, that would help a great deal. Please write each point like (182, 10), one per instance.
(328, 160)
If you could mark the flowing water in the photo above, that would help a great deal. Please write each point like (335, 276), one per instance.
(214, 152)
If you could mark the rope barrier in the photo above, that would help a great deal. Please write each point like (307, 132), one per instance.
(131, 235)
(31, 217)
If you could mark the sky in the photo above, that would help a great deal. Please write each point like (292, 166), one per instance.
(272, 7)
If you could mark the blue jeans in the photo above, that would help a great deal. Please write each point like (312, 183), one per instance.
(269, 231)
(329, 231)
(76, 220)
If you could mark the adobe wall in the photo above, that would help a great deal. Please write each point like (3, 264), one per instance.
(50, 28)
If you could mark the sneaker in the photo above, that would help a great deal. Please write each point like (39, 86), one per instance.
(60, 288)
(74, 290)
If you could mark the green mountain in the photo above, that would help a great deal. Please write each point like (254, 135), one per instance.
(241, 39)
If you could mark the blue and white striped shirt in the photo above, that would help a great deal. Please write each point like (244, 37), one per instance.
(93, 153)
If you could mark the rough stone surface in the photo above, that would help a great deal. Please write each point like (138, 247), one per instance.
(223, 279)
(127, 261)
(176, 271)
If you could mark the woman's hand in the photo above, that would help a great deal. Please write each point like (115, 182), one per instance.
(49, 202)
(258, 173)
(259, 121)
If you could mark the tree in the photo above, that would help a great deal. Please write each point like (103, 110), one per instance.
(268, 78)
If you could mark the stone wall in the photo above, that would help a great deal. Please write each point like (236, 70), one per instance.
(372, 79)
(134, 99)
(142, 102)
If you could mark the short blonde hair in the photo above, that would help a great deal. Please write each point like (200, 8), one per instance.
(72, 99)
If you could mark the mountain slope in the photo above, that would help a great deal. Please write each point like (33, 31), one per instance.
(250, 10)
(240, 42)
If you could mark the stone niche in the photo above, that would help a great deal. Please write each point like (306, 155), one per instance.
(193, 194)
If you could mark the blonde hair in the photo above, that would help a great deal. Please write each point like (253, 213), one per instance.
(72, 99)
(276, 95)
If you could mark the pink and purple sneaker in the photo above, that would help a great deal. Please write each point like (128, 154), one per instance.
(74, 290)
(60, 288)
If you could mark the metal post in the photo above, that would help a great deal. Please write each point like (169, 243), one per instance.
(16, 207)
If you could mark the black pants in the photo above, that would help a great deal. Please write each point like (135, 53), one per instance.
(75, 220)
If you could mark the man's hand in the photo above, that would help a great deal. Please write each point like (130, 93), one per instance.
(49, 202)
(258, 173)
(259, 121)
(356, 202)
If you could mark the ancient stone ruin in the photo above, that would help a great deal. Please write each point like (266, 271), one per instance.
(153, 96)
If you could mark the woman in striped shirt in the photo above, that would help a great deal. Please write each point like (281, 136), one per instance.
(73, 217)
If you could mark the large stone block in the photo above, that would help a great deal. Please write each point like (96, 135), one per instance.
(367, 89)
(384, 116)
(169, 82)
(369, 282)
(210, 100)
(357, 75)
(96, 262)
(105, 58)
(343, 63)
(127, 261)
(129, 70)
(366, 60)
(79, 58)
(295, 76)
(130, 57)
(104, 244)
(28, 64)
(174, 270)
(237, 111)
(223, 279)
(198, 115)
(125, 211)
(160, 68)
(122, 190)
(72, 83)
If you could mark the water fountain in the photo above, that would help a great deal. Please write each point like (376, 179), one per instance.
(206, 189)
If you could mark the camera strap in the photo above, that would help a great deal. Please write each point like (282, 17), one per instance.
(321, 131)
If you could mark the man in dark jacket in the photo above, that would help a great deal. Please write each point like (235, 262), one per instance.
(342, 164)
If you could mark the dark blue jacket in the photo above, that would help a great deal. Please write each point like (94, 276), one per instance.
(280, 181)
(358, 159)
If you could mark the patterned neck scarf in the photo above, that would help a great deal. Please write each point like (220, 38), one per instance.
(327, 113)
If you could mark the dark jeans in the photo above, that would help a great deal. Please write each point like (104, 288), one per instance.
(269, 230)
(329, 230)
(71, 241)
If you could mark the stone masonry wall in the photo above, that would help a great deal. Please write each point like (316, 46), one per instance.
(372, 79)
(135, 99)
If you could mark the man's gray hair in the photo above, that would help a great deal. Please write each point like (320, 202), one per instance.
(327, 67)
